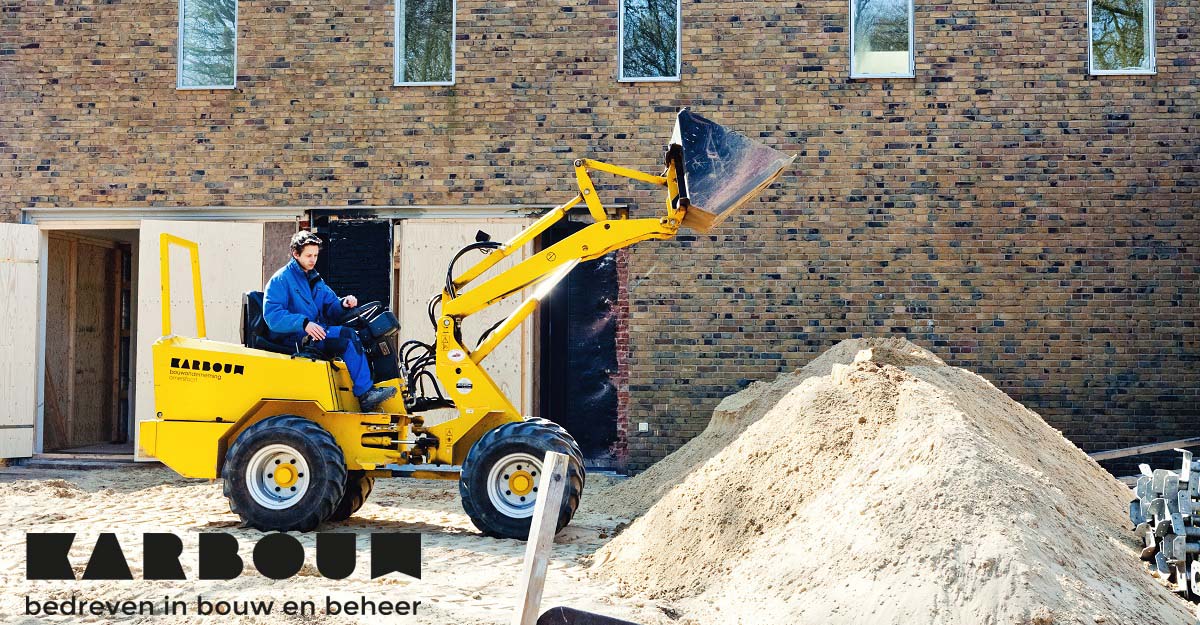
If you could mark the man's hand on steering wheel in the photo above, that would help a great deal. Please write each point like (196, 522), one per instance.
(349, 301)
(361, 314)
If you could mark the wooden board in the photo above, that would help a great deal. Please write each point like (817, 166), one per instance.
(423, 249)
(277, 235)
(1150, 448)
(56, 397)
(19, 251)
(114, 360)
(95, 289)
(542, 529)
(226, 250)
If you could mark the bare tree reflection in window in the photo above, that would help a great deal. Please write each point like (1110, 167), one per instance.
(650, 39)
(881, 36)
(428, 35)
(209, 43)
(1119, 34)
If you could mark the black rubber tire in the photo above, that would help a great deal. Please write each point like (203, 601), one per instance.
(358, 488)
(534, 437)
(319, 450)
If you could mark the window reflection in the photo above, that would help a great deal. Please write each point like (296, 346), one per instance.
(1119, 38)
(650, 39)
(427, 33)
(209, 37)
(881, 37)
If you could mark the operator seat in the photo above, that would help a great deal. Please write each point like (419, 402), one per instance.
(255, 333)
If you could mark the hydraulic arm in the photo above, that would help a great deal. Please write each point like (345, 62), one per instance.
(701, 152)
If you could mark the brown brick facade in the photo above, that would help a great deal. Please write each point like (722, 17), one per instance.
(1003, 208)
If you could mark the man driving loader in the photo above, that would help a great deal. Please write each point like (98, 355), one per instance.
(298, 303)
(290, 441)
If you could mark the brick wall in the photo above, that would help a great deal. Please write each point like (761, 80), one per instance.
(1003, 208)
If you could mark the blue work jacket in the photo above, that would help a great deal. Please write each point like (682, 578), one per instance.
(289, 302)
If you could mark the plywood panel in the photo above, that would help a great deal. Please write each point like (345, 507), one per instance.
(58, 344)
(424, 248)
(91, 417)
(18, 337)
(277, 235)
(115, 424)
(16, 442)
(18, 243)
(227, 250)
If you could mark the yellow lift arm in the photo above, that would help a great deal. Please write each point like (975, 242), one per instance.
(722, 167)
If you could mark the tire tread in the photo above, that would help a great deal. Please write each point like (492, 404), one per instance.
(331, 465)
(553, 438)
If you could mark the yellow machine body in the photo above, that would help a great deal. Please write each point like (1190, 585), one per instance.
(207, 392)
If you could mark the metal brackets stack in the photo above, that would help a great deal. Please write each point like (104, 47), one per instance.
(1164, 512)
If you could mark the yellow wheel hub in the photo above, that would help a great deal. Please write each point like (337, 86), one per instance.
(520, 482)
(285, 475)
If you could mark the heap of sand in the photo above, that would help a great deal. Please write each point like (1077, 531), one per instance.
(893, 489)
(737, 412)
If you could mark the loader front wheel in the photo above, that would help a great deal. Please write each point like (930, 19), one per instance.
(284, 474)
(501, 474)
(358, 488)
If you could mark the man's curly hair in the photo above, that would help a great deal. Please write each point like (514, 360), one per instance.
(302, 239)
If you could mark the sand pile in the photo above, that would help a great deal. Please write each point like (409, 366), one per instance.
(894, 489)
(737, 412)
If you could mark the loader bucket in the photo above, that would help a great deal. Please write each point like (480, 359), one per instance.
(722, 169)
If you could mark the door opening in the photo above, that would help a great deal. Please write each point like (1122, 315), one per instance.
(89, 329)
(578, 353)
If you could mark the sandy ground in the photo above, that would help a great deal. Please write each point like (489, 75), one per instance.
(892, 490)
(875, 486)
(467, 577)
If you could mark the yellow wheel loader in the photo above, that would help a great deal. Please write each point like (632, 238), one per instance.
(281, 427)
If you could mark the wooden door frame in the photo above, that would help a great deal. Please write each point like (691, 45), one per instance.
(122, 249)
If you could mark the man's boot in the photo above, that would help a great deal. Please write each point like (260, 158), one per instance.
(371, 399)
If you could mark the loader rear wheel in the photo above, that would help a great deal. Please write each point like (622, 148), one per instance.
(358, 488)
(284, 474)
(501, 473)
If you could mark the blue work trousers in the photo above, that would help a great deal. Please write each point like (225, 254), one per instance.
(342, 342)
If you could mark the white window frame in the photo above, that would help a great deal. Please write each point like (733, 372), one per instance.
(912, 45)
(237, 6)
(398, 47)
(621, 77)
(1153, 44)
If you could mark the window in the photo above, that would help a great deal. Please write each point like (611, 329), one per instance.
(207, 44)
(425, 42)
(1122, 40)
(881, 38)
(649, 40)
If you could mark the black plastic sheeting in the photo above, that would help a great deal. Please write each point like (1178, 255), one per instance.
(578, 353)
(570, 616)
(357, 258)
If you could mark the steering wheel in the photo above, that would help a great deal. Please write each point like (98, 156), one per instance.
(362, 313)
(358, 314)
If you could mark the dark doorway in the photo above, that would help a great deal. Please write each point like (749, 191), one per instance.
(357, 257)
(357, 260)
(578, 352)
